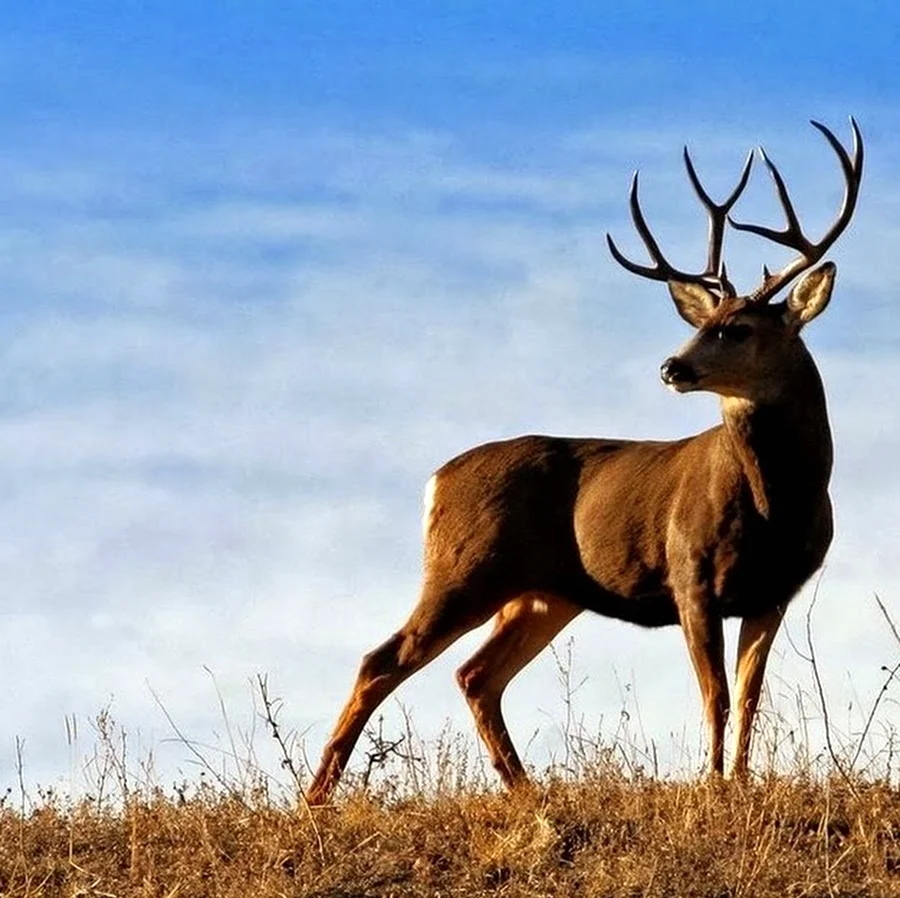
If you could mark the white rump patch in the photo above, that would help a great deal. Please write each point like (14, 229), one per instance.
(428, 503)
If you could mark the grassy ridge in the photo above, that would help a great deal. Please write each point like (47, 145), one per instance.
(417, 819)
(606, 835)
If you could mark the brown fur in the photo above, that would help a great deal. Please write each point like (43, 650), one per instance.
(728, 523)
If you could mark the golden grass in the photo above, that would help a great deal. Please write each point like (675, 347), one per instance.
(606, 835)
(420, 820)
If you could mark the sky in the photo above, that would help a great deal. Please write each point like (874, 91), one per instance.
(265, 266)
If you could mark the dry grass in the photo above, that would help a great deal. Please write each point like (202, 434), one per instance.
(409, 825)
(416, 820)
(607, 835)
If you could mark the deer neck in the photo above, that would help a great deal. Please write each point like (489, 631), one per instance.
(783, 445)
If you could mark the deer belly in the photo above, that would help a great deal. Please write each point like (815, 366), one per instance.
(625, 586)
(650, 609)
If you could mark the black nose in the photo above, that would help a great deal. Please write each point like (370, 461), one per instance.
(675, 371)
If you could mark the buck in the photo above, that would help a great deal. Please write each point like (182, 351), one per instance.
(728, 523)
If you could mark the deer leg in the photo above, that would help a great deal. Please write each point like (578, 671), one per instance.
(757, 636)
(706, 646)
(522, 628)
(438, 620)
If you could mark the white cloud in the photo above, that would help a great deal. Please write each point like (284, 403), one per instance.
(219, 415)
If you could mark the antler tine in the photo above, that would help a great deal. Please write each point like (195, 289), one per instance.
(718, 212)
(714, 275)
(661, 270)
(792, 235)
(852, 169)
(727, 287)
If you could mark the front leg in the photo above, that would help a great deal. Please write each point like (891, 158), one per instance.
(757, 635)
(703, 633)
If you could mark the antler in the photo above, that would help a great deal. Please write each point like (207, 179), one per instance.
(714, 276)
(792, 235)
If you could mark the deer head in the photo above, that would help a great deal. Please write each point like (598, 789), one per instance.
(746, 347)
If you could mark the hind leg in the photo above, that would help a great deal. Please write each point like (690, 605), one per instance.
(523, 627)
(439, 619)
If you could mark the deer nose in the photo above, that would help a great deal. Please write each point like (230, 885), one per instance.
(674, 371)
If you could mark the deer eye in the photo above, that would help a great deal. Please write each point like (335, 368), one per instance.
(734, 333)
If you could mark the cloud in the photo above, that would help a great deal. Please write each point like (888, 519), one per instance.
(223, 393)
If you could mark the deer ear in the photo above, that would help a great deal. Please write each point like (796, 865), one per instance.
(694, 302)
(810, 296)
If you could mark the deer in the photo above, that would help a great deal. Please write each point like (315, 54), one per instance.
(728, 523)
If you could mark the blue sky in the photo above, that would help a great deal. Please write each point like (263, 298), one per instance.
(465, 66)
(265, 266)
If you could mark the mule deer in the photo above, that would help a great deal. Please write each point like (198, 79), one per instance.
(728, 523)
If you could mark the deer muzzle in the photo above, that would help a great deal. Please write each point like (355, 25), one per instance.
(677, 373)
